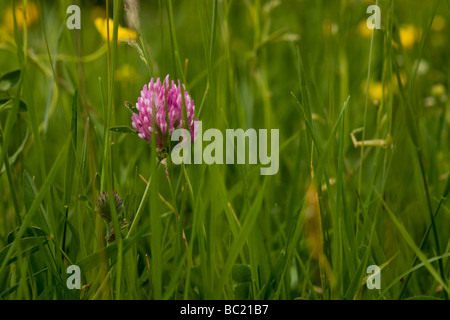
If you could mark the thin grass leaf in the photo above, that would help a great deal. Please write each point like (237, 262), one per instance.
(7, 104)
(109, 252)
(175, 51)
(28, 245)
(131, 108)
(9, 80)
(242, 236)
(413, 246)
(124, 129)
(37, 201)
(30, 193)
(410, 271)
(427, 232)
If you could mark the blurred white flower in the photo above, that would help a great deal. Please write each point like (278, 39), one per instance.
(422, 67)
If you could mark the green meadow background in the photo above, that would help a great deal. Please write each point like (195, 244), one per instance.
(364, 151)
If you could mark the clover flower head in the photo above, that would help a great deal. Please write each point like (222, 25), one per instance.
(164, 101)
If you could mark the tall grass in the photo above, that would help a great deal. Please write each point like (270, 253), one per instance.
(364, 172)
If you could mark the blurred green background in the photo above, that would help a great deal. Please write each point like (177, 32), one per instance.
(224, 231)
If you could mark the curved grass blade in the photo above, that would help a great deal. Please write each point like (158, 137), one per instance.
(244, 232)
(37, 201)
(9, 80)
(413, 246)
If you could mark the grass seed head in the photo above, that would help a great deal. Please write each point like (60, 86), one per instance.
(103, 207)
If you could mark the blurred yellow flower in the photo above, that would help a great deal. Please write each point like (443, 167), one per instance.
(438, 23)
(32, 15)
(363, 30)
(375, 91)
(438, 37)
(408, 35)
(126, 73)
(123, 33)
(438, 90)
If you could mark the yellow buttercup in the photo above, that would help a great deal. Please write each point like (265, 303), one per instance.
(123, 33)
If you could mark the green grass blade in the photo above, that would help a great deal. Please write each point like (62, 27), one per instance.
(244, 232)
(413, 246)
(37, 201)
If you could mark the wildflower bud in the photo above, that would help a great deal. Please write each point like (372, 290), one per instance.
(438, 90)
(103, 207)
